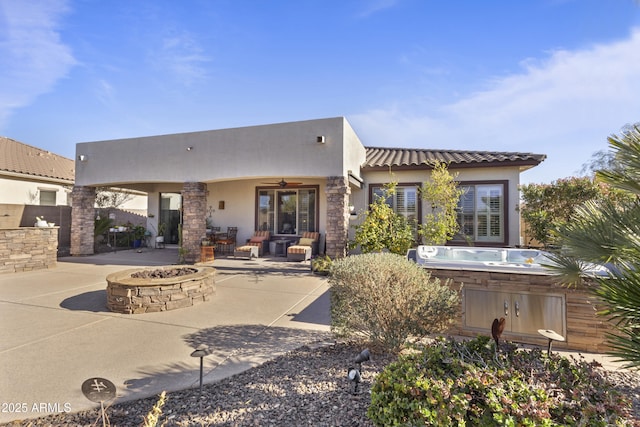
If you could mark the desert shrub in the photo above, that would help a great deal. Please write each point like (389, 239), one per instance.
(451, 383)
(385, 299)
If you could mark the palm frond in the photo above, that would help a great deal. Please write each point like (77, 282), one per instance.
(627, 156)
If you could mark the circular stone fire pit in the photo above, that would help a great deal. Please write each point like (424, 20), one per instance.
(146, 290)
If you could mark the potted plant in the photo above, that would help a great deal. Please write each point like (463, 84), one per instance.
(162, 228)
(138, 235)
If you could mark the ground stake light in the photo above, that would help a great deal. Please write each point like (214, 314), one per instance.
(364, 356)
(354, 376)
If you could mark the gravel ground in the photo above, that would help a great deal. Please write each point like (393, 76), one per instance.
(308, 386)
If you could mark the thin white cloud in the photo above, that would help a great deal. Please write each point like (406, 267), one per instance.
(182, 56)
(33, 57)
(105, 92)
(373, 6)
(575, 98)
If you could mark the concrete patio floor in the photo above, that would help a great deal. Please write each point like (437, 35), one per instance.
(56, 332)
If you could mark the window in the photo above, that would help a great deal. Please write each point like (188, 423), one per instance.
(404, 201)
(47, 197)
(481, 212)
(289, 211)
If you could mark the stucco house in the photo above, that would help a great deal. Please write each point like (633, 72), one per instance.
(288, 178)
(30, 175)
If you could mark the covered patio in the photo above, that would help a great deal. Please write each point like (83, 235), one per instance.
(287, 179)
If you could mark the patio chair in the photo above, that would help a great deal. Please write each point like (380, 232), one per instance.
(305, 248)
(212, 235)
(261, 240)
(227, 244)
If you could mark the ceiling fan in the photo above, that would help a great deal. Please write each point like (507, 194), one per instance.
(282, 183)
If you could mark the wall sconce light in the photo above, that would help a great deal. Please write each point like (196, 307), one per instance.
(352, 209)
(221, 205)
(82, 157)
(320, 139)
(189, 148)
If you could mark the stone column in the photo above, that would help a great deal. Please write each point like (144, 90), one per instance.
(338, 192)
(194, 226)
(82, 220)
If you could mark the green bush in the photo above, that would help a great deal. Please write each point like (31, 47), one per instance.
(321, 264)
(382, 228)
(451, 383)
(385, 299)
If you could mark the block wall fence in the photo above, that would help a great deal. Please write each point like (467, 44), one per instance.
(28, 248)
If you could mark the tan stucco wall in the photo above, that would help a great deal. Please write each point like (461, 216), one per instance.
(20, 191)
(289, 149)
(360, 197)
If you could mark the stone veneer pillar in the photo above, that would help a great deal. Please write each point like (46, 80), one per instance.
(82, 220)
(337, 192)
(194, 212)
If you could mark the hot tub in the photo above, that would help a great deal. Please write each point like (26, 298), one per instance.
(489, 259)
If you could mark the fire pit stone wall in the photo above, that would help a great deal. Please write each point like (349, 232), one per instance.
(135, 295)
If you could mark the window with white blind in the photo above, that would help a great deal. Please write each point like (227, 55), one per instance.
(47, 197)
(481, 212)
(405, 201)
(287, 211)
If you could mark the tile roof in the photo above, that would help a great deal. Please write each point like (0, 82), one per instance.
(412, 158)
(16, 157)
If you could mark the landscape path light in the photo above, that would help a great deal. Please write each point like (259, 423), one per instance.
(551, 336)
(201, 351)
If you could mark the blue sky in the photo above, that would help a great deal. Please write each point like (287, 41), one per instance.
(555, 77)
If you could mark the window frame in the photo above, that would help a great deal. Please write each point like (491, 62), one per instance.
(460, 239)
(416, 185)
(276, 189)
(51, 192)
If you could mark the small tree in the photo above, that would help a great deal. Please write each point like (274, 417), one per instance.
(442, 193)
(606, 232)
(383, 228)
(548, 207)
(107, 197)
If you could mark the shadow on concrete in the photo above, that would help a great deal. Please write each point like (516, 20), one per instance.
(318, 312)
(232, 349)
(259, 339)
(133, 257)
(95, 301)
(172, 377)
(265, 267)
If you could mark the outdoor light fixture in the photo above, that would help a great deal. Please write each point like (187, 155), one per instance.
(364, 356)
(82, 158)
(354, 376)
(201, 351)
(189, 148)
(320, 139)
(551, 336)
